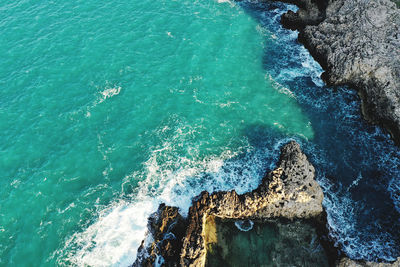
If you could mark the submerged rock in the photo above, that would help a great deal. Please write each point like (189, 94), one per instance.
(357, 42)
(275, 242)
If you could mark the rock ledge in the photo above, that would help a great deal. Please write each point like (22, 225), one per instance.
(288, 192)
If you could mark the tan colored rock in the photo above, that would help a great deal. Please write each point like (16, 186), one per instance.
(346, 262)
(289, 191)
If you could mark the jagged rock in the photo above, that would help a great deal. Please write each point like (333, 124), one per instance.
(166, 227)
(309, 13)
(289, 191)
(346, 262)
(357, 42)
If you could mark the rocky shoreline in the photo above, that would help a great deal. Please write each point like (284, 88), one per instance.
(289, 192)
(357, 42)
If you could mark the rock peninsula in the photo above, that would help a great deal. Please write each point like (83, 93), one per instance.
(357, 42)
(289, 192)
(287, 203)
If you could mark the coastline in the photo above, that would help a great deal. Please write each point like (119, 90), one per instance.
(289, 193)
(112, 109)
(349, 61)
(357, 44)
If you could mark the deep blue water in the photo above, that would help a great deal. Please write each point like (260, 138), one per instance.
(357, 163)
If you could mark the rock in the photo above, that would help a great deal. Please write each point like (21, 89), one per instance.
(346, 262)
(166, 227)
(275, 242)
(357, 42)
(289, 192)
(309, 13)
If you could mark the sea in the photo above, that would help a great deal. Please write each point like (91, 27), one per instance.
(108, 109)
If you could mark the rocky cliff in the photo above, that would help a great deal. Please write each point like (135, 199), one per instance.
(166, 229)
(288, 192)
(357, 42)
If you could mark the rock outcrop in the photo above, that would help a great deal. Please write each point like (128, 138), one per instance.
(357, 42)
(346, 262)
(288, 192)
(166, 228)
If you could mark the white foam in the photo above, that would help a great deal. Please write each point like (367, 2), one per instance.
(355, 182)
(244, 225)
(341, 217)
(312, 67)
(280, 88)
(231, 3)
(119, 229)
(114, 238)
(109, 92)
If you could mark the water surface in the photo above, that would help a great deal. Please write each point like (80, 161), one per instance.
(108, 109)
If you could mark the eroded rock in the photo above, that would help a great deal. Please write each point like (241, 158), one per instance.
(289, 191)
(346, 262)
(288, 199)
(357, 42)
(166, 228)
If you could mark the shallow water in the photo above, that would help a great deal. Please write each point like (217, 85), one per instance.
(270, 243)
(108, 110)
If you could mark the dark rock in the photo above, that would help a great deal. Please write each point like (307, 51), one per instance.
(357, 42)
(310, 13)
(166, 227)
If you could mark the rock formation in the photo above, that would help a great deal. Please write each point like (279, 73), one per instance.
(289, 192)
(167, 228)
(346, 262)
(357, 42)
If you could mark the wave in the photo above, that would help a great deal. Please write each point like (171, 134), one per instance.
(167, 177)
(174, 179)
(244, 225)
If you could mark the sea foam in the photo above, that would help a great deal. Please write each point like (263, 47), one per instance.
(113, 239)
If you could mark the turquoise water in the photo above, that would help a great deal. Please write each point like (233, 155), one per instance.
(96, 98)
(108, 109)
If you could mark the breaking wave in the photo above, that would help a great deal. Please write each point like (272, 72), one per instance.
(356, 163)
